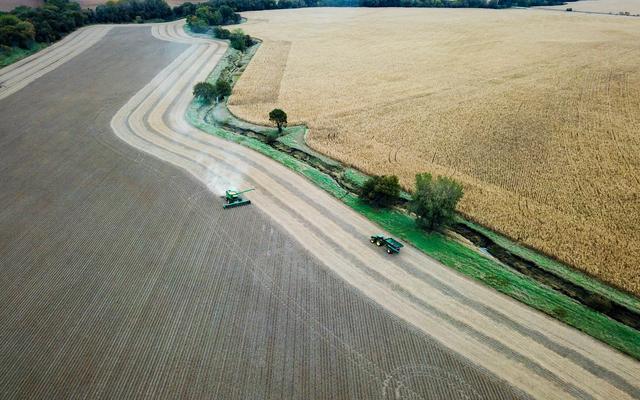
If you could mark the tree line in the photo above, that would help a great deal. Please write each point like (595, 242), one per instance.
(433, 202)
(256, 5)
(25, 25)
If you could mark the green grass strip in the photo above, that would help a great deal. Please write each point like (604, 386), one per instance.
(17, 54)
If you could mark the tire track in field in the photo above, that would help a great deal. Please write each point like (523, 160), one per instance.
(153, 121)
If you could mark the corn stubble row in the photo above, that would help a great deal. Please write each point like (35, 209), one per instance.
(537, 113)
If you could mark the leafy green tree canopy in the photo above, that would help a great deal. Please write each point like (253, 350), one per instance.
(221, 33)
(434, 200)
(15, 32)
(381, 191)
(205, 92)
(278, 117)
(196, 24)
(223, 88)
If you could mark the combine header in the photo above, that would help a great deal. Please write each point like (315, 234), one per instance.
(234, 199)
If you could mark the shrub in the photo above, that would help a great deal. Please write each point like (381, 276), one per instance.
(434, 201)
(278, 117)
(222, 88)
(196, 24)
(205, 92)
(381, 191)
(221, 33)
(238, 44)
(239, 40)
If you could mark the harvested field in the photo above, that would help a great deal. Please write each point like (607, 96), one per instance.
(535, 112)
(122, 277)
(531, 352)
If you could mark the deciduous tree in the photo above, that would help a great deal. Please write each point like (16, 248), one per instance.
(278, 117)
(381, 191)
(435, 200)
(205, 92)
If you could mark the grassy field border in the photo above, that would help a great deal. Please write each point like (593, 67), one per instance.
(16, 54)
(452, 253)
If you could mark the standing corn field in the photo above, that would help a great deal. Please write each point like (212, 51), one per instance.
(534, 112)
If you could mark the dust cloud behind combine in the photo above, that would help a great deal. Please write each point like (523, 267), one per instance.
(535, 112)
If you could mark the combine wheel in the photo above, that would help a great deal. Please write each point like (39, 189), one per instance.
(388, 251)
(372, 240)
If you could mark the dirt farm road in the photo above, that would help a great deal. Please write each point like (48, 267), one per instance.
(121, 276)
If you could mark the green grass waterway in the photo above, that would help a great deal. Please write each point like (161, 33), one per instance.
(444, 249)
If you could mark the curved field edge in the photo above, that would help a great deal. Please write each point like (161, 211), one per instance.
(450, 252)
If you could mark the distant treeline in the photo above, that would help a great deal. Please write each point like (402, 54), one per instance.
(24, 26)
(125, 11)
(256, 5)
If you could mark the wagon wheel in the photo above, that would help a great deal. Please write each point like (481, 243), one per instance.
(379, 242)
(388, 251)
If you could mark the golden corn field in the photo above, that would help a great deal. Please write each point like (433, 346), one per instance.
(536, 112)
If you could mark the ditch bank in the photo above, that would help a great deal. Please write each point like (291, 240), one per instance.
(589, 298)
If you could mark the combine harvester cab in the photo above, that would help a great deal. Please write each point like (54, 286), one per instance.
(234, 199)
(393, 246)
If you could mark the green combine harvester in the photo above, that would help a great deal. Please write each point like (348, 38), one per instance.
(393, 246)
(234, 199)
